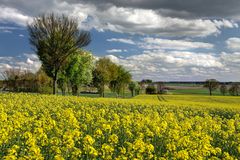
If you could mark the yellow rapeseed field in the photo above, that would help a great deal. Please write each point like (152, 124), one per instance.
(146, 127)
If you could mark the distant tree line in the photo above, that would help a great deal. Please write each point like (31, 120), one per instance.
(213, 84)
(17, 80)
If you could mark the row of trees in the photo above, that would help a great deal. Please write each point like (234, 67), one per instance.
(213, 84)
(57, 42)
(17, 80)
(79, 70)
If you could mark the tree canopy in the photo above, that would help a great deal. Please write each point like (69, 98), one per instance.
(211, 84)
(78, 69)
(54, 38)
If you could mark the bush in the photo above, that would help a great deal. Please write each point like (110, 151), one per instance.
(150, 90)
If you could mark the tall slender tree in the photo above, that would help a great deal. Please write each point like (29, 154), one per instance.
(54, 38)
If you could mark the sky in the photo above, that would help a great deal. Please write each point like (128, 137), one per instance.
(162, 40)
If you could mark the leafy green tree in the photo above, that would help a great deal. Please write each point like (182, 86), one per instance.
(54, 39)
(211, 84)
(62, 83)
(150, 89)
(123, 78)
(137, 89)
(132, 87)
(223, 89)
(78, 70)
(103, 74)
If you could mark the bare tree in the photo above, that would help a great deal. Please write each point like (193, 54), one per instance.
(54, 39)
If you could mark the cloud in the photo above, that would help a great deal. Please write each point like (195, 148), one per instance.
(184, 9)
(8, 29)
(158, 43)
(117, 17)
(8, 14)
(178, 65)
(28, 62)
(115, 51)
(142, 21)
(233, 43)
(231, 59)
(121, 40)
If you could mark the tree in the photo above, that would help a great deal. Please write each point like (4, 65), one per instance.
(132, 87)
(137, 89)
(150, 90)
(11, 76)
(78, 69)
(43, 82)
(54, 39)
(223, 89)
(103, 74)
(211, 84)
(234, 90)
(144, 83)
(62, 83)
(123, 77)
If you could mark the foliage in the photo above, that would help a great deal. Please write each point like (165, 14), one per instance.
(223, 89)
(123, 77)
(78, 70)
(85, 128)
(17, 80)
(137, 89)
(134, 88)
(105, 71)
(211, 84)
(150, 90)
(54, 38)
(234, 90)
(146, 81)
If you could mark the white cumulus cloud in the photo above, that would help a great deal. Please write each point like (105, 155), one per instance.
(8, 14)
(158, 43)
(121, 40)
(233, 43)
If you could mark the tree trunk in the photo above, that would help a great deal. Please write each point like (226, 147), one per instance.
(74, 90)
(63, 91)
(210, 91)
(132, 93)
(103, 95)
(55, 83)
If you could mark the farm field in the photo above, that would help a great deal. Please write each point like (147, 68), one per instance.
(36, 126)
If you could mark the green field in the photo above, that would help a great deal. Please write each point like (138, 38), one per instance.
(199, 91)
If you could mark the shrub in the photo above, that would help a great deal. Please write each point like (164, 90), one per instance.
(150, 90)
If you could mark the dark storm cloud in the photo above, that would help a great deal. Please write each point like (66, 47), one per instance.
(181, 8)
(172, 8)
